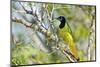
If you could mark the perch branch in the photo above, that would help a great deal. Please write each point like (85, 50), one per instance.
(68, 54)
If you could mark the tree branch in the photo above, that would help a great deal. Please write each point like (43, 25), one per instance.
(90, 39)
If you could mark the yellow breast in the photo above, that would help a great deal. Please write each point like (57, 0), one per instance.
(68, 39)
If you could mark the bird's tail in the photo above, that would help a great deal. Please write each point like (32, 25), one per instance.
(73, 50)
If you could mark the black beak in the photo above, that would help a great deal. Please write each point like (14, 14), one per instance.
(57, 18)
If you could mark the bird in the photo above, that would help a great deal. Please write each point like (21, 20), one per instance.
(64, 31)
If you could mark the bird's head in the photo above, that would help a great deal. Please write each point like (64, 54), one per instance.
(59, 22)
(61, 19)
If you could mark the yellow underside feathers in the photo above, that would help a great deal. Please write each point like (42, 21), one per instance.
(67, 37)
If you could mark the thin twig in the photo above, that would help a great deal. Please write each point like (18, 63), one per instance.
(90, 41)
(52, 12)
